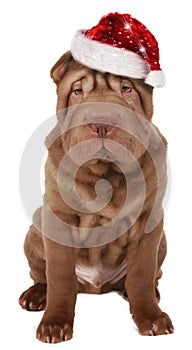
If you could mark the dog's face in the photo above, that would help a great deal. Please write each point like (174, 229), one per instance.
(103, 108)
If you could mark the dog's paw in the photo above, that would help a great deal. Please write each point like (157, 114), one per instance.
(155, 325)
(34, 298)
(54, 332)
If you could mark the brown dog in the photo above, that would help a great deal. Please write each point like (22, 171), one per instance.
(124, 258)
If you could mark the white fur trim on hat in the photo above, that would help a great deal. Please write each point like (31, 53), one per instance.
(107, 58)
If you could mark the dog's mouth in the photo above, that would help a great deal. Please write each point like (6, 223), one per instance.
(110, 143)
(101, 150)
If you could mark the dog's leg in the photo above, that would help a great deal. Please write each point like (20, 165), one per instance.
(62, 287)
(162, 251)
(34, 298)
(141, 282)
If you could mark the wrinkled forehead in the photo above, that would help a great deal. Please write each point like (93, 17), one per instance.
(77, 72)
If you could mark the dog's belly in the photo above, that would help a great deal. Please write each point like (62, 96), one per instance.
(99, 275)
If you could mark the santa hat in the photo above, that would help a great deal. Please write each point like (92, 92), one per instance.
(120, 45)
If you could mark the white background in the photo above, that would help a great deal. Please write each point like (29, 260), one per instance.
(34, 34)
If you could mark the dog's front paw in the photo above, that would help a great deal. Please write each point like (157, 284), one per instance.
(154, 325)
(34, 298)
(54, 331)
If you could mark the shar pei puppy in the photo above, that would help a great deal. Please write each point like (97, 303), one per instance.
(100, 228)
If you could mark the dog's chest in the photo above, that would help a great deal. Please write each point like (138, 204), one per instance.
(104, 264)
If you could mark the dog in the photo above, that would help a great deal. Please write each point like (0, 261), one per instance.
(96, 107)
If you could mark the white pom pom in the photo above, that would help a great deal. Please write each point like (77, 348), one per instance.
(155, 78)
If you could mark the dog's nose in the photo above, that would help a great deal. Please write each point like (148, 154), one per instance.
(100, 129)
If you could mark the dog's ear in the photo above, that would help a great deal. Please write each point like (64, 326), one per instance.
(60, 67)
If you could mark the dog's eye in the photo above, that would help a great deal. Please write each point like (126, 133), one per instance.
(78, 91)
(126, 89)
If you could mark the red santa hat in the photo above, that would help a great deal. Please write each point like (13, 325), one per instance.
(120, 45)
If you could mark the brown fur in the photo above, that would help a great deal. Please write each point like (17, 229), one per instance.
(53, 264)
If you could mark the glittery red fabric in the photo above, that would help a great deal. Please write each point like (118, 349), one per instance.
(124, 31)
